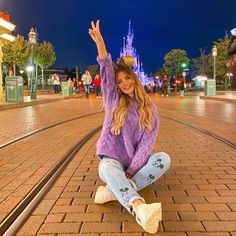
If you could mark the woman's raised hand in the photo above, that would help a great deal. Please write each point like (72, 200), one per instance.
(94, 32)
(97, 38)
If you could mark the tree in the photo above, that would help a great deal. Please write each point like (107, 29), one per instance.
(93, 69)
(222, 58)
(174, 60)
(16, 53)
(202, 65)
(44, 57)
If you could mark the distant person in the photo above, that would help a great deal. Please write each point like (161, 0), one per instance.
(56, 83)
(129, 133)
(87, 80)
(74, 85)
(164, 87)
(181, 87)
(10, 71)
(97, 84)
(80, 87)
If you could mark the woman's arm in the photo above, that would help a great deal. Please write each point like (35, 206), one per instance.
(108, 85)
(98, 39)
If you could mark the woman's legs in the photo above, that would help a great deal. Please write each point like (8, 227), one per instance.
(156, 166)
(97, 91)
(112, 173)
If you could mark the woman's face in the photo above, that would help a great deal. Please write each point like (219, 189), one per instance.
(125, 84)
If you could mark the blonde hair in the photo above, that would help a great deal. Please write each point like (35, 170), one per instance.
(145, 108)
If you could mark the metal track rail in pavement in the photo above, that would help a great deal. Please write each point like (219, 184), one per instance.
(17, 216)
(231, 144)
(228, 142)
(45, 128)
(12, 222)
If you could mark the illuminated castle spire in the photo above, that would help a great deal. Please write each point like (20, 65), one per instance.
(128, 49)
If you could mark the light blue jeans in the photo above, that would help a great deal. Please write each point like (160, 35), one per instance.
(86, 90)
(112, 172)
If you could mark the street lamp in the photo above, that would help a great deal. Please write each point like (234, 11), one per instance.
(33, 84)
(214, 54)
(229, 77)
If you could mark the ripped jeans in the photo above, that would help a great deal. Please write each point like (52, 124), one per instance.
(112, 172)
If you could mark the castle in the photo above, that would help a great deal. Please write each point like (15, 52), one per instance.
(128, 49)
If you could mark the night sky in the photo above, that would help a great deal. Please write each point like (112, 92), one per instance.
(159, 26)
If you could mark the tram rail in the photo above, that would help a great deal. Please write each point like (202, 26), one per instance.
(20, 213)
(225, 141)
(45, 128)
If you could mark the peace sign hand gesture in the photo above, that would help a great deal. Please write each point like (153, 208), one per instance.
(97, 38)
(95, 32)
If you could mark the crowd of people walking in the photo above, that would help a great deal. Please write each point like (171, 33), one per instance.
(87, 84)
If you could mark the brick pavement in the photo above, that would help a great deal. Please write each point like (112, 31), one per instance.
(198, 193)
(24, 163)
(17, 122)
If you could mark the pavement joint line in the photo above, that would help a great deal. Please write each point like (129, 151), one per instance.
(228, 142)
(45, 128)
(11, 223)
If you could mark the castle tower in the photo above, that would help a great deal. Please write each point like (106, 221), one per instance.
(128, 49)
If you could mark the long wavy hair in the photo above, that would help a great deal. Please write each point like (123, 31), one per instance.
(145, 108)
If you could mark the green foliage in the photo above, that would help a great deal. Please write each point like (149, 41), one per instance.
(44, 55)
(160, 72)
(202, 65)
(222, 57)
(93, 69)
(173, 61)
(16, 52)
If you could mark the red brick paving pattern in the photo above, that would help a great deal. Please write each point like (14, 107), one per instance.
(24, 163)
(198, 192)
(17, 122)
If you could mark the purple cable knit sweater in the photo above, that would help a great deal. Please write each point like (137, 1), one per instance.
(133, 146)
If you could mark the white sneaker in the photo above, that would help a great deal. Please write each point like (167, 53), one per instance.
(103, 195)
(148, 216)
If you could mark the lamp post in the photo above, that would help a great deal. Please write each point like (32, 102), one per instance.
(229, 79)
(214, 54)
(33, 84)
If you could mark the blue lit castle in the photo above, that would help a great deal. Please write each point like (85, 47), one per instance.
(128, 49)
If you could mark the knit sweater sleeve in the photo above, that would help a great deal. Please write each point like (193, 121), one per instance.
(108, 85)
(144, 148)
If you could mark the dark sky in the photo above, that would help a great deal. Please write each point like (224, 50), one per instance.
(159, 26)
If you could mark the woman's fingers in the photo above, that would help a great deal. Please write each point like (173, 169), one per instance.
(94, 32)
(93, 26)
(97, 25)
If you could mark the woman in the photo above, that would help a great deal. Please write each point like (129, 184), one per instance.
(97, 84)
(128, 135)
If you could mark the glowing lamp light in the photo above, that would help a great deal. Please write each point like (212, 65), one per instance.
(29, 68)
(229, 74)
(214, 51)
